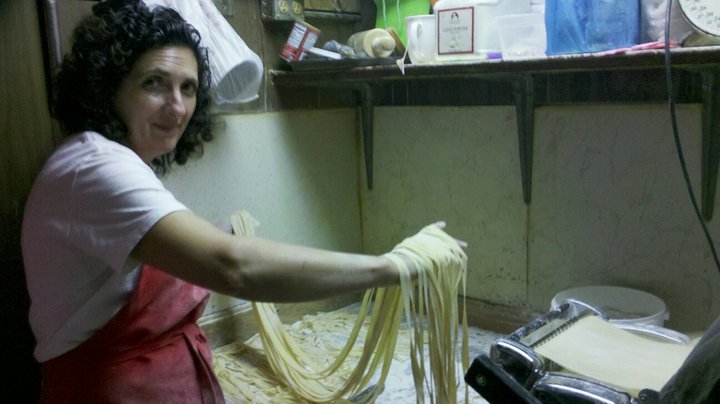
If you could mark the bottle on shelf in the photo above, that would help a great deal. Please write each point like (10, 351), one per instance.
(375, 42)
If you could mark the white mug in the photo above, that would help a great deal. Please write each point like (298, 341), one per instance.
(421, 38)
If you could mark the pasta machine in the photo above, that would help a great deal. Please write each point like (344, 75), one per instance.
(514, 373)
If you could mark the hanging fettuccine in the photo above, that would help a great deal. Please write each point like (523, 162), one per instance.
(429, 305)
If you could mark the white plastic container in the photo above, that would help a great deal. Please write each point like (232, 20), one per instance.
(537, 6)
(467, 29)
(624, 306)
(522, 36)
(421, 38)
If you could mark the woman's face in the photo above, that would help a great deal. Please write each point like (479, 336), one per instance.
(157, 99)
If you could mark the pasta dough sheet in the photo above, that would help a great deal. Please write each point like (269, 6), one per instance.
(599, 350)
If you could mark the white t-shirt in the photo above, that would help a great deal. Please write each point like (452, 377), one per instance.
(91, 204)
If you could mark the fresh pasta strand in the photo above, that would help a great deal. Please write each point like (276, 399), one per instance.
(437, 299)
(429, 305)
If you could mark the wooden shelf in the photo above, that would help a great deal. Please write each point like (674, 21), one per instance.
(684, 58)
(523, 74)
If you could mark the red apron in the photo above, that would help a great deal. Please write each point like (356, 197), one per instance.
(151, 351)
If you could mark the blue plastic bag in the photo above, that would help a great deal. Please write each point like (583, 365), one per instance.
(582, 26)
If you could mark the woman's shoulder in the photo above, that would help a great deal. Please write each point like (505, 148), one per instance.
(89, 161)
(91, 150)
(90, 143)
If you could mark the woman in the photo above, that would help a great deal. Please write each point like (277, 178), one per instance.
(118, 270)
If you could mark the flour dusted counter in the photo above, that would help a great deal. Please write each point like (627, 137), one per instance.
(637, 76)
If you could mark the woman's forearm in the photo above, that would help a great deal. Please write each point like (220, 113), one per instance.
(193, 249)
(278, 272)
(248, 267)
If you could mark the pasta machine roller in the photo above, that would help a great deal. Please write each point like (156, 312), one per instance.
(514, 373)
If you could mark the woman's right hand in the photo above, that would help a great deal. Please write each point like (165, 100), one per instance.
(410, 258)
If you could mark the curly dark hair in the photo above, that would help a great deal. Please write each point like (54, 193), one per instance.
(106, 45)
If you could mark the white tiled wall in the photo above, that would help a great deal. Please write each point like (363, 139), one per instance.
(460, 165)
(296, 173)
(611, 207)
(609, 204)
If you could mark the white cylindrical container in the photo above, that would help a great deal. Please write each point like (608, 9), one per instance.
(375, 42)
(467, 29)
(421, 38)
(624, 306)
(537, 6)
